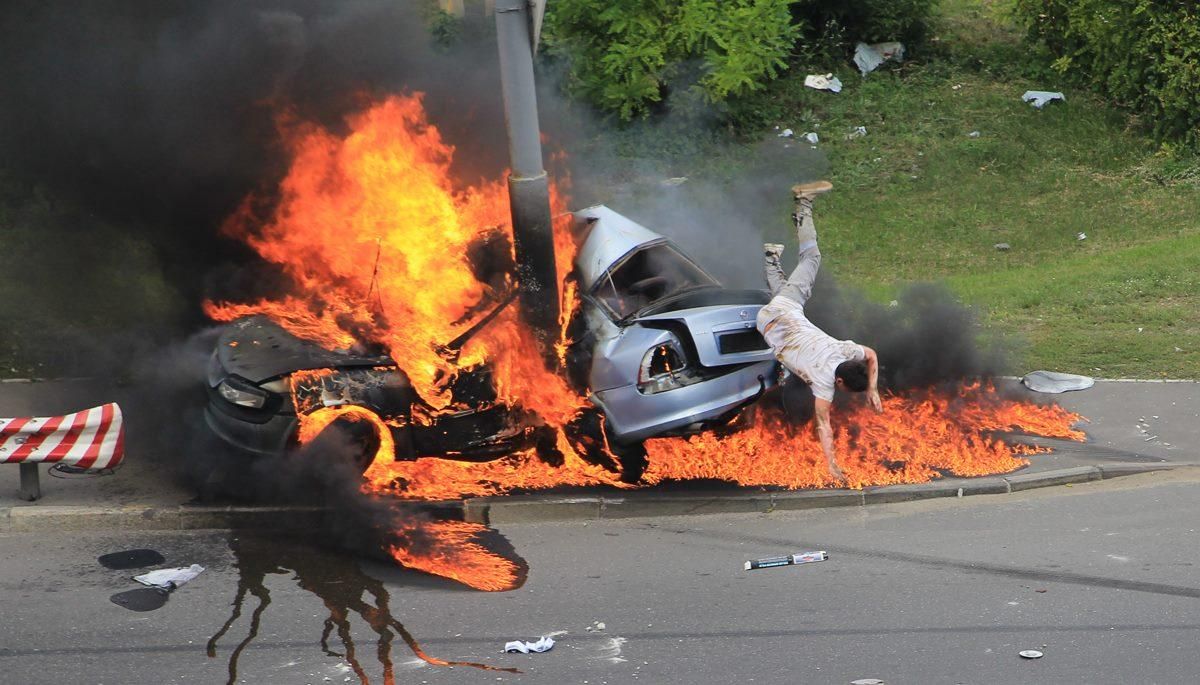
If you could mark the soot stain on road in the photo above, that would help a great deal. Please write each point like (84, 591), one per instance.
(130, 558)
(342, 586)
(141, 599)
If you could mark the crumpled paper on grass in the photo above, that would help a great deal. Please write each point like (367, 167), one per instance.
(824, 82)
(1039, 98)
(868, 57)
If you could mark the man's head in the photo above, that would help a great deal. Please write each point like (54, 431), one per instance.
(851, 375)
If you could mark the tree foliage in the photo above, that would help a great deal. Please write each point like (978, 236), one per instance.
(1145, 54)
(624, 52)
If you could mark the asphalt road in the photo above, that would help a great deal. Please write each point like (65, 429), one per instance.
(1101, 577)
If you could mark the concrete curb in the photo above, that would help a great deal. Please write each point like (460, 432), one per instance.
(530, 508)
(496, 510)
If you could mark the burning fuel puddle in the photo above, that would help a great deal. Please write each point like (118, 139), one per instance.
(349, 595)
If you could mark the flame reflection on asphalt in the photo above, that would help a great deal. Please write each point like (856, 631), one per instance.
(339, 582)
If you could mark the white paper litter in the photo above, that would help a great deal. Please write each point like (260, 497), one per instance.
(868, 57)
(1055, 382)
(785, 133)
(169, 578)
(543, 645)
(1039, 98)
(812, 137)
(823, 82)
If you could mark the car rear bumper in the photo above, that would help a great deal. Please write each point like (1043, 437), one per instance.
(632, 416)
(268, 438)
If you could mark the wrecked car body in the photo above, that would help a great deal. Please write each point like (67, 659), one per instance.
(658, 345)
(669, 350)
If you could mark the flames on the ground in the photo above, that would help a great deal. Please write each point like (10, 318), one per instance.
(373, 231)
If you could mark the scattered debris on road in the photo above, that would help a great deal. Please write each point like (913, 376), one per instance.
(1055, 382)
(545, 644)
(824, 82)
(1039, 98)
(1030, 654)
(170, 578)
(812, 137)
(867, 681)
(868, 57)
(788, 560)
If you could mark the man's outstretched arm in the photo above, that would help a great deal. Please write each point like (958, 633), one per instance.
(825, 435)
(873, 379)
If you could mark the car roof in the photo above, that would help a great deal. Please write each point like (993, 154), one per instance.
(611, 237)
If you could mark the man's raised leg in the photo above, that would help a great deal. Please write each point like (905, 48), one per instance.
(799, 285)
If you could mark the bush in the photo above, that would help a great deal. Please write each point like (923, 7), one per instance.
(869, 21)
(1144, 54)
(624, 52)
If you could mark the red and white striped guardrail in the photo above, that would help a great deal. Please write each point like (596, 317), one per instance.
(89, 439)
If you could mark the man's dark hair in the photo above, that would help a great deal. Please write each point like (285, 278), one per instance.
(853, 375)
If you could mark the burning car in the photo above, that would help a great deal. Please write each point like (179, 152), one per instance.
(662, 347)
(668, 349)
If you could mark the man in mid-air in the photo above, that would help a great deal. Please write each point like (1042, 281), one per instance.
(817, 358)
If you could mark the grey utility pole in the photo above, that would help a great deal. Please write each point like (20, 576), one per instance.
(528, 186)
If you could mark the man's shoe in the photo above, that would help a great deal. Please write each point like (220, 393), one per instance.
(772, 249)
(811, 190)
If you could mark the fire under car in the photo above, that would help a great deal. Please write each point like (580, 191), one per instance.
(659, 345)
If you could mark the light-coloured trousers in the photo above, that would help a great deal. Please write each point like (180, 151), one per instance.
(798, 286)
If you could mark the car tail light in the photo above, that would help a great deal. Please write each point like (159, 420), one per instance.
(662, 369)
(241, 393)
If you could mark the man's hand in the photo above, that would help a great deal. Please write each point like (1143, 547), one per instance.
(825, 435)
(873, 379)
(875, 402)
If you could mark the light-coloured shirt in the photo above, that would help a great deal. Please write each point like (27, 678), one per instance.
(807, 351)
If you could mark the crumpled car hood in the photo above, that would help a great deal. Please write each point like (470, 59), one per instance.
(259, 349)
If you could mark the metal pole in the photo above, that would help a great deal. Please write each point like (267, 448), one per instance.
(31, 489)
(528, 186)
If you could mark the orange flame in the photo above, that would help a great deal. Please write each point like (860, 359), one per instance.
(373, 231)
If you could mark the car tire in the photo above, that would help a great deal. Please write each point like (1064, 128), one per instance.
(347, 440)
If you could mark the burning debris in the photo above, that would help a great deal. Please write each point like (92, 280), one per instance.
(402, 279)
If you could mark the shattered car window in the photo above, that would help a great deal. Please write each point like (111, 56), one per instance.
(646, 276)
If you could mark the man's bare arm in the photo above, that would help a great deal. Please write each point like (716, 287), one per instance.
(825, 435)
(873, 379)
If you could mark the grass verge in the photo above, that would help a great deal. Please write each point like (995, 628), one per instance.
(954, 163)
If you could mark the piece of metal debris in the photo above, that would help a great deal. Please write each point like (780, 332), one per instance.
(868, 57)
(169, 578)
(1039, 98)
(824, 82)
(545, 644)
(1030, 654)
(1055, 382)
(788, 560)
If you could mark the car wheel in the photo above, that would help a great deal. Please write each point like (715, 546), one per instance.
(633, 461)
(347, 440)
